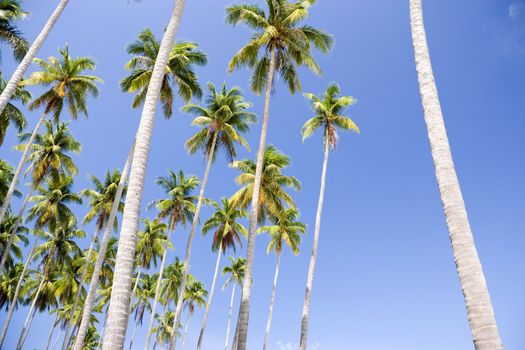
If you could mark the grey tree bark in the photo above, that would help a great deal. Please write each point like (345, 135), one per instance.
(183, 345)
(52, 331)
(480, 312)
(230, 311)
(30, 315)
(272, 302)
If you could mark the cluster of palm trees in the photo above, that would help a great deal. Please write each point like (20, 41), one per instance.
(93, 292)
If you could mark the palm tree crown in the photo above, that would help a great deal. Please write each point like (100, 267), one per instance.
(11, 114)
(285, 230)
(235, 271)
(152, 241)
(10, 11)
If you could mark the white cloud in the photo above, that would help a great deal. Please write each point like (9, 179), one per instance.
(516, 9)
(516, 17)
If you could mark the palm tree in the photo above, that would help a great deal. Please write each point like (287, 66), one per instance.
(20, 236)
(18, 75)
(179, 71)
(11, 114)
(143, 293)
(68, 87)
(227, 233)
(164, 328)
(286, 230)
(10, 11)
(223, 120)
(477, 298)
(236, 276)
(328, 111)
(6, 176)
(178, 208)
(49, 157)
(285, 45)
(194, 295)
(171, 283)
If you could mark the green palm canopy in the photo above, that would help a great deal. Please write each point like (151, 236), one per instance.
(286, 229)
(11, 114)
(11, 11)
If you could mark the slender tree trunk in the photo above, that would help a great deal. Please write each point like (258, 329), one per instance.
(134, 333)
(208, 304)
(20, 167)
(272, 301)
(30, 315)
(313, 258)
(230, 311)
(235, 341)
(67, 339)
(120, 294)
(56, 339)
(183, 345)
(186, 265)
(17, 292)
(16, 226)
(254, 212)
(30, 55)
(102, 331)
(480, 312)
(134, 291)
(157, 290)
(52, 331)
(89, 304)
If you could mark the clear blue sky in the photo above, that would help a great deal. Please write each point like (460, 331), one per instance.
(386, 277)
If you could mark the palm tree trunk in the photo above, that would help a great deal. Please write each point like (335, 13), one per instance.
(79, 290)
(17, 292)
(18, 221)
(210, 297)
(30, 55)
(313, 258)
(272, 301)
(254, 212)
(477, 299)
(120, 294)
(230, 311)
(20, 167)
(103, 330)
(57, 338)
(235, 341)
(183, 345)
(30, 315)
(52, 331)
(134, 333)
(89, 303)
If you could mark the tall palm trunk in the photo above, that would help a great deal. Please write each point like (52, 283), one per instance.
(254, 212)
(52, 331)
(17, 292)
(30, 315)
(57, 339)
(313, 258)
(477, 299)
(134, 291)
(187, 258)
(272, 301)
(79, 290)
(210, 297)
(183, 345)
(120, 294)
(230, 311)
(235, 341)
(30, 55)
(89, 303)
(135, 326)
(103, 330)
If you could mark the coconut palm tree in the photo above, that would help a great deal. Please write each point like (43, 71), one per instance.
(11, 11)
(68, 87)
(285, 231)
(20, 236)
(179, 71)
(171, 283)
(18, 75)
(236, 276)
(194, 295)
(120, 299)
(11, 114)
(477, 298)
(145, 291)
(177, 208)
(8, 281)
(328, 109)
(227, 232)
(164, 328)
(6, 176)
(285, 44)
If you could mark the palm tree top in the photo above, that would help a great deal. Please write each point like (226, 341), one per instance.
(152, 241)
(279, 30)
(286, 229)
(235, 270)
(10, 11)
(11, 113)
(328, 110)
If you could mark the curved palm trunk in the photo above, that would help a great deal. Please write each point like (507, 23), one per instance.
(30, 316)
(186, 265)
(67, 340)
(30, 55)
(120, 294)
(208, 304)
(313, 258)
(477, 299)
(230, 311)
(89, 303)
(272, 301)
(52, 331)
(254, 212)
(183, 345)
(17, 292)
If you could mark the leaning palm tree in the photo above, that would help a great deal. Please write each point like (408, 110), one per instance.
(194, 295)
(285, 231)
(11, 114)
(177, 208)
(236, 276)
(223, 120)
(477, 298)
(11, 11)
(179, 71)
(11, 87)
(328, 111)
(68, 87)
(227, 232)
(285, 45)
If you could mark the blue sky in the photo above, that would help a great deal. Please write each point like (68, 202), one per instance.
(385, 277)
